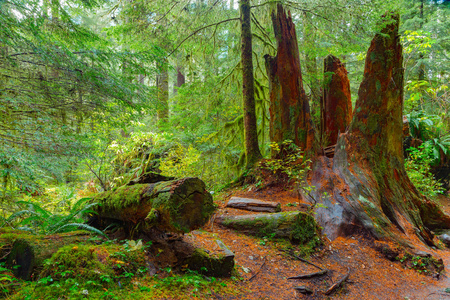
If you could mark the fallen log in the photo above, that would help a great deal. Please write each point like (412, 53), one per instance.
(298, 226)
(171, 206)
(254, 205)
(24, 253)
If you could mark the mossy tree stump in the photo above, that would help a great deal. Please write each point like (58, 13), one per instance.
(366, 185)
(290, 117)
(336, 108)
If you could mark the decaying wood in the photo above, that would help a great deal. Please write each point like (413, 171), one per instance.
(254, 205)
(303, 260)
(310, 275)
(24, 253)
(259, 270)
(366, 183)
(336, 106)
(329, 151)
(337, 284)
(171, 206)
(304, 290)
(290, 117)
(294, 225)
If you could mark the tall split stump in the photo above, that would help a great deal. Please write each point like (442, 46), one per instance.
(367, 188)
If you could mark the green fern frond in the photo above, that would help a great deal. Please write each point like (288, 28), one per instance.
(81, 226)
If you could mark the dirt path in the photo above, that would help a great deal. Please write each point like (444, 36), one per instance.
(265, 268)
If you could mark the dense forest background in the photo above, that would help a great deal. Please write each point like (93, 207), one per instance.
(96, 93)
(98, 96)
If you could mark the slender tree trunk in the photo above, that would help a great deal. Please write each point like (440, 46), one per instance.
(421, 72)
(163, 93)
(289, 108)
(252, 151)
(309, 34)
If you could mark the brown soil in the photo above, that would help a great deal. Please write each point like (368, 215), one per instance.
(372, 276)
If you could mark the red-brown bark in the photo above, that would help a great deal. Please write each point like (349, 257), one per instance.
(336, 112)
(289, 108)
(368, 184)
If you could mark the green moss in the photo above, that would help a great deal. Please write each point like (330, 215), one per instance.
(204, 263)
(76, 261)
(121, 197)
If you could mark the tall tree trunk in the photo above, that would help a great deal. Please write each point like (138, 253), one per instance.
(336, 110)
(368, 184)
(309, 35)
(252, 152)
(289, 108)
(162, 82)
(421, 72)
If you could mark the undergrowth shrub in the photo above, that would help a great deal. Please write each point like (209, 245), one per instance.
(418, 169)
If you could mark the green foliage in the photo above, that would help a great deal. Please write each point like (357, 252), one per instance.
(418, 169)
(7, 281)
(288, 163)
(430, 129)
(36, 219)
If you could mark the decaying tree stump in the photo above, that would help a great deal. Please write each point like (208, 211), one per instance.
(290, 117)
(367, 182)
(171, 206)
(336, 108)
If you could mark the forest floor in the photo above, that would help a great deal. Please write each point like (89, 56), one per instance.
(264, 267)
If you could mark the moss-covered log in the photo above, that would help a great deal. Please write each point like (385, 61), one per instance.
(171, 206)
(299, 227)
(290, 117)
(25, 253)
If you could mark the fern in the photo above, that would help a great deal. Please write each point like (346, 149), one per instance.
(81, 226)
(39, 220)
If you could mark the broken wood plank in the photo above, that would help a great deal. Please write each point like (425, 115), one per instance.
(254, 205)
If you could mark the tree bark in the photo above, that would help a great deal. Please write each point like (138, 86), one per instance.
(252, 152)
(163, 93)
(370, 190)
(289, 108)
(24, 253)
(171, 206)
(336, 110)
